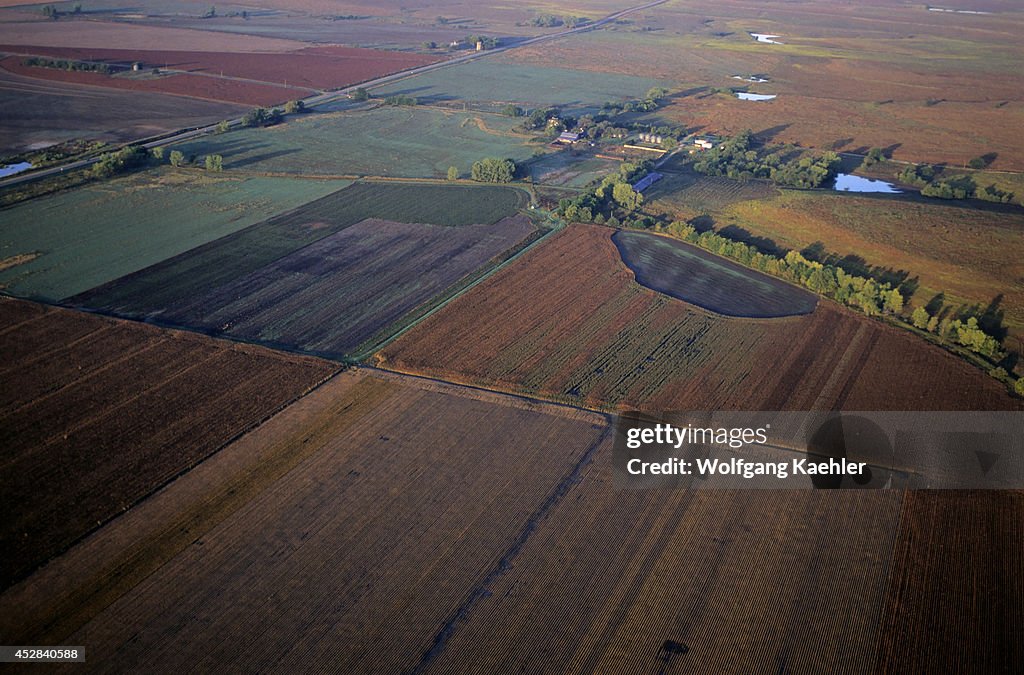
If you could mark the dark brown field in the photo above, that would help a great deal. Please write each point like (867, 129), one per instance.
(96, 413)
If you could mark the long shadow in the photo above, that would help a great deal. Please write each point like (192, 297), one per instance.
(256, 159)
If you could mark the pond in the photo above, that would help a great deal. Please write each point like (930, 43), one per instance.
(846, 182)
(745, 96)
(751, 78)
(11, 169)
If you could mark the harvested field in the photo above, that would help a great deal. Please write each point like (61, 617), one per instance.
(96, 413)
(390, 141)
(329, 67)
(955, 600)
(586, 331)
(193, 86)
(178, 280)
(81, 238)
(349, 287)
(688, 273)
(39, 113)
(352, 529)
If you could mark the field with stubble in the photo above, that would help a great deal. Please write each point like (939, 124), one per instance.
(617, 343)
(97, 413)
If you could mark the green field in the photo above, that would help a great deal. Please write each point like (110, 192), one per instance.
(498, 80)
(219, 262)
(54, 247)
(401, 141)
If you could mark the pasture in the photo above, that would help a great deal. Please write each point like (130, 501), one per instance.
(96, 414)
(587, 332)
(389, 141)
(688, 273)
(74, 240)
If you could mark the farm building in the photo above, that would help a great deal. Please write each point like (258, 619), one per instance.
(568, 137)
(647, 181)
(651, 138)
(703, 143)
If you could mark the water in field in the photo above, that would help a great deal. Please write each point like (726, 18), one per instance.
(751, 78)
(11, 169)
(846, 182)
(766, 38)
(744, 96)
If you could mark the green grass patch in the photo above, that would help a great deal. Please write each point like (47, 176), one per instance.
(77, 239)
(405, 142)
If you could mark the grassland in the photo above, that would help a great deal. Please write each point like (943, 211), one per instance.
(354, 525)
(96, 413)
(402, 142)
(180, 279)
(78, 239)
(496, 80)
(349, 287)
(619, 344)
(687, 273)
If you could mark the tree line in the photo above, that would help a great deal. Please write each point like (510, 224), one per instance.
(934, 183)
(736, 158)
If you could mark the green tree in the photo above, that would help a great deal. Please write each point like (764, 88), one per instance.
(360, 94)
(294, 107)
(874, 156)
(493, 170)
(223, 127)
(893, 301)
(177, 158)
(626, 197)
(214, 163)
(453, 173)
(920, 318)
(158, 152)
(933, 324)
(512, 110)
(1018, 387)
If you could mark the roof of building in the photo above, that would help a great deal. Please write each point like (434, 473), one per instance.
(569, 136)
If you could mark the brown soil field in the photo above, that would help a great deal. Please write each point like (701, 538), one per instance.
(313, 68)
(932, 87)
(955, 597)
(586, 331)
(38, 113)
(351, 529)
(96, 413)
(103, 34)
(193, 86)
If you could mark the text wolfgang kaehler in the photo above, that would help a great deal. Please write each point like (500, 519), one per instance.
(669, 436)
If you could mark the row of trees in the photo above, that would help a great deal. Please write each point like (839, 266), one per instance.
(651, 101)
(866, 294)
(737, 158)
(553, 21)
(68, 64)
(966, 333)
(401, 99)
(614, 196)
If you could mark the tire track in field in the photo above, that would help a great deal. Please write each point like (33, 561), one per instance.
(554, 498)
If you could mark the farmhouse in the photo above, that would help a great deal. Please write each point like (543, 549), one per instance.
(703, 143)
(647, 181)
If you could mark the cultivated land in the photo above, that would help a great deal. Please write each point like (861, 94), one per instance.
(396, 142)
(935, 87)
(39, 113)
(57, 246)
(491, 81)
(688, 273)
(620, 344)
(180, 279)
(377, 509)
(97, 413)
(349, 287)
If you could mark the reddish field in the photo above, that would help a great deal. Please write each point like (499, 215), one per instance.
(193, 86)
(313, 68)
(585, 331)
(96, 413)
